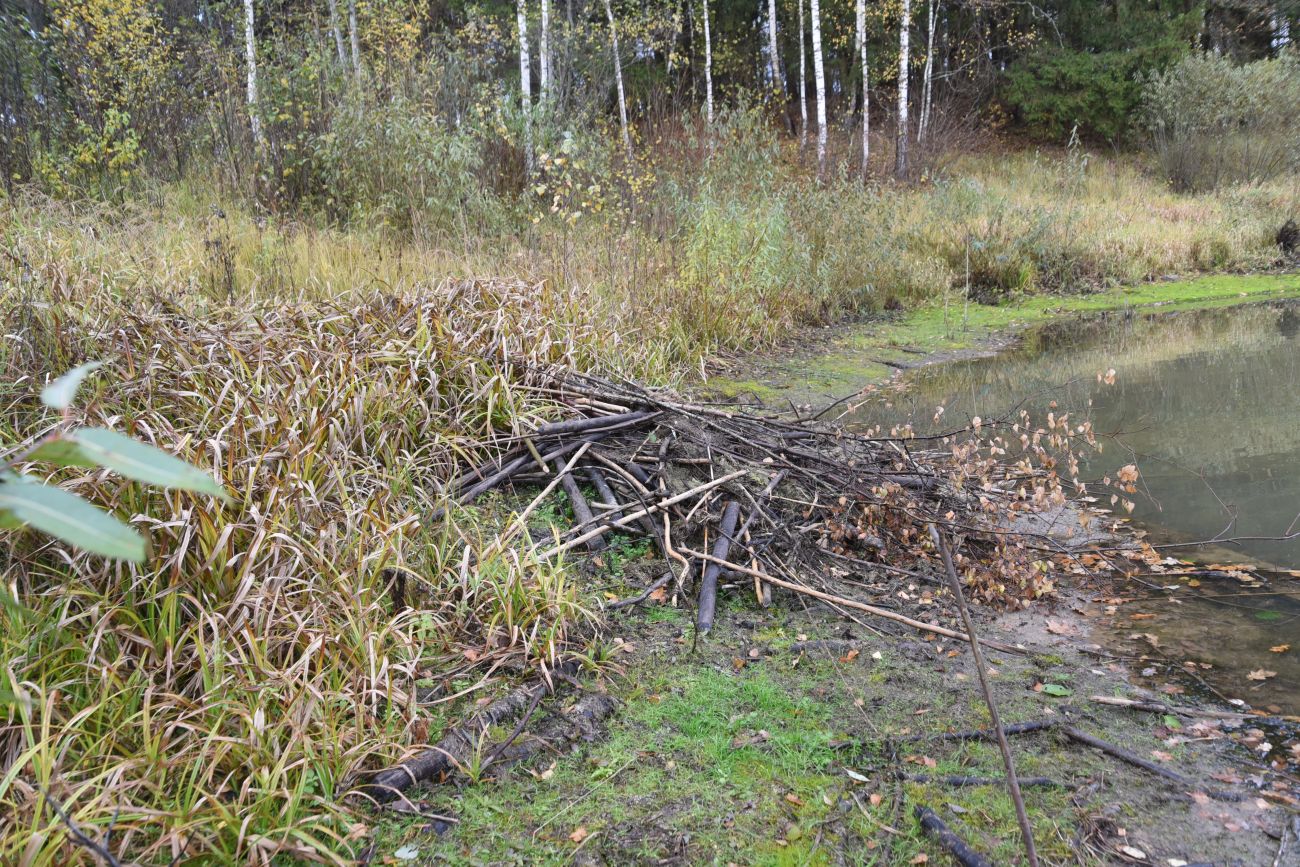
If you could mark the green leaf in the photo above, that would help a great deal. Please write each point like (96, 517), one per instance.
(63, 452)
(68, 517)
(1057, 690)
(143, 462)
(1171, 721)
(59, 394)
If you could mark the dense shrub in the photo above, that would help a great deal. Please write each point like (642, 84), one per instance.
(1213, 122)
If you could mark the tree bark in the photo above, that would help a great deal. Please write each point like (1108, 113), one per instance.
(927, 84)
(250, 59)
(773, 58)
(525, 79)
(354, 37)
(337, 30)
(708, 66)
(819, 80)
(803, 82)
(544, 51)
(618, 80)
(866, 82)
(904, 62)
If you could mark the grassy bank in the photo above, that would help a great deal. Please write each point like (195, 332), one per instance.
(213, 704)
(841, 360)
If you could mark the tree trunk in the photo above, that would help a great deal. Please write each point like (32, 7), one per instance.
(544, 50)
(354, 37)
(618, 80)
(904, 62)
(525, 80)
(866, 82)
(927, 83)
(773, 59)
(803, 82)
(337, 30)
(250, 59)
(819, 80)
(708, 66)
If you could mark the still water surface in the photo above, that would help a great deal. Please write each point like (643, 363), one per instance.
(1207, 404)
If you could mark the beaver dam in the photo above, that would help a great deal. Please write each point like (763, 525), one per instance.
(782, 509)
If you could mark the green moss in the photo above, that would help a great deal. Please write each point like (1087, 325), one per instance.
(852, 361)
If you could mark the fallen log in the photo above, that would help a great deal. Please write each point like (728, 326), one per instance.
(709, 581)
(599, 422)
(581, 510)
(956, 846)
(458, 745)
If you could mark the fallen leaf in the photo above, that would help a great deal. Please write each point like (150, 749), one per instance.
(1280, 648)
(1060, 627)
(792, 798)
(921, 858)
(850, 656)
(1161, 756)
(1057, 690)
(660, 595)
(1133, 852)
(407, 853)
(1261, 674)
(579, 835)
(1142, 617)
(875, 799)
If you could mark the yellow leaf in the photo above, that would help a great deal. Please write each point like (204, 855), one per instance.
(1279, 648)
(579, 835)
(1261, 674)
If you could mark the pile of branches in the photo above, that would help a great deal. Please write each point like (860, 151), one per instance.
(772, 501)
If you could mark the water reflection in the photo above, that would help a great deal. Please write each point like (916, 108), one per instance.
(1208, 405)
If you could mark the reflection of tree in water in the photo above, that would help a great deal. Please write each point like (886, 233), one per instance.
(1212, 392)
(1288, 323)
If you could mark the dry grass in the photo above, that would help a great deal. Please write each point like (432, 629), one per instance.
(212, 705)
(215, 701)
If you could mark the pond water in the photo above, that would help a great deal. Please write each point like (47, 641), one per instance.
(1207, 404)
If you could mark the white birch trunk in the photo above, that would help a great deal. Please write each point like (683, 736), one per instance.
(773, 59)
(354, 37)
(525, 80)
(708, 66)
(544, 51)
(250, 60)
(618, 80)
(803, 82)
(337, 30)
(927, 82)
(904, 62)
(861, 34)
(819, 81)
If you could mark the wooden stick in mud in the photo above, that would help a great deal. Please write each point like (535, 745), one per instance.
(709, 581)
(1137, 761)
(632, 516)
(956, 846)
(987, 734)
(848, 603)
(1157, 707)
(1025, 782)
(599, 422)
(1013, 784)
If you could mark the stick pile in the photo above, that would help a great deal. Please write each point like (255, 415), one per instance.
(733, 497)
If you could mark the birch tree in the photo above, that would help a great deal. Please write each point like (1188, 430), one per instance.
(544, 51)
(803, 83)
(250, 60)
(773, 59)
(819, 81)
(904, 62)
(708, 66)
(861, 36)
(354, 37)
(618, 79)
(525, 79)
(927, 80)
(337, 29)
